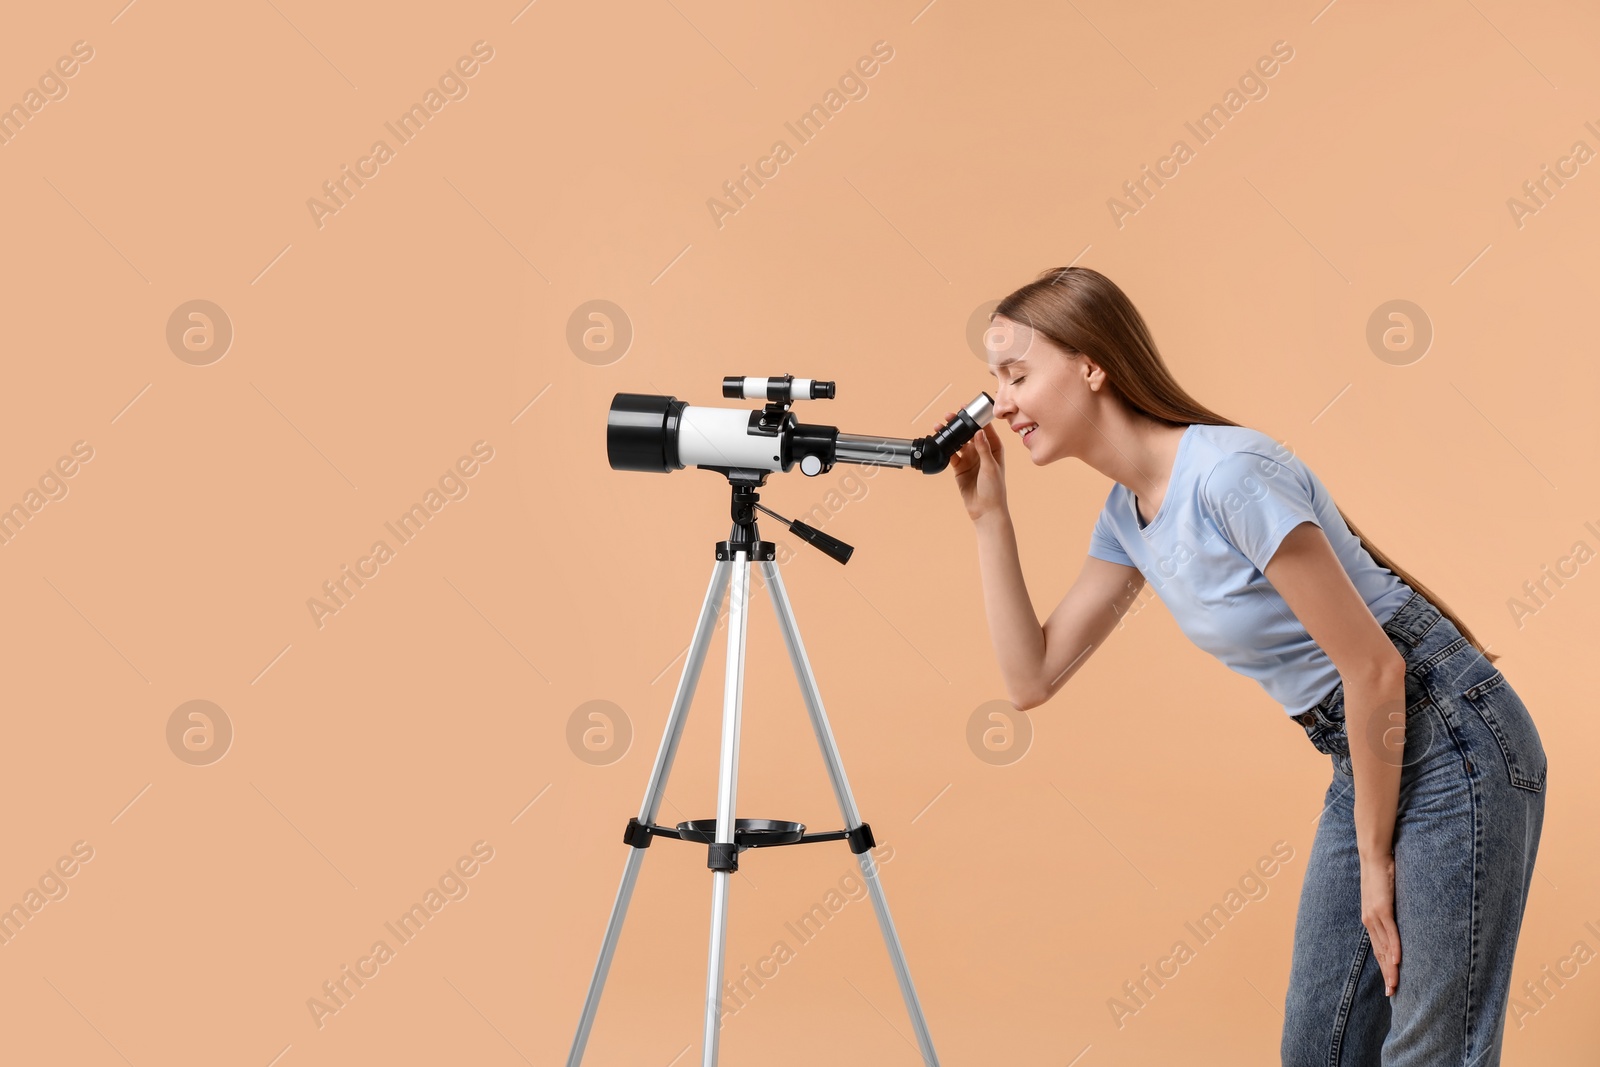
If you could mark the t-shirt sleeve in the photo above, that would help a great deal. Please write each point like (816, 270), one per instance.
(1103, 543)
(1255, 501)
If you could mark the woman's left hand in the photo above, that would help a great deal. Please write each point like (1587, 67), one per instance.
(1377, 915)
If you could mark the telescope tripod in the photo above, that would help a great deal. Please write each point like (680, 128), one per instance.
(726, 835)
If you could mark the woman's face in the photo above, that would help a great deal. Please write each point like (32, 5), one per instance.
(1044, 392)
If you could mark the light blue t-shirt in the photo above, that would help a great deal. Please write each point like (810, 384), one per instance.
(1233, 495)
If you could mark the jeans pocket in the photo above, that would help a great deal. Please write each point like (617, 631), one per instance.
(1503, 712)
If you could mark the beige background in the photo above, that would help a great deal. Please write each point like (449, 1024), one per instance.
(431, 312)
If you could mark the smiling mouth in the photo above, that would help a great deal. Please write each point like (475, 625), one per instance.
(1027, 431)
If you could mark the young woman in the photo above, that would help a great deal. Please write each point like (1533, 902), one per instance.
(1431, 822)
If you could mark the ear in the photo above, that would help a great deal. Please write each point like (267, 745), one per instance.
(1094, 375)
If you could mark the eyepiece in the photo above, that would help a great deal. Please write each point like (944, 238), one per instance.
(937, 450)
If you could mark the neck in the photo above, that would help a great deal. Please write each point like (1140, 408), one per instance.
(1136, 451)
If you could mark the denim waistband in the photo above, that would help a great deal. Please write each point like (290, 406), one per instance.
(1407, 626)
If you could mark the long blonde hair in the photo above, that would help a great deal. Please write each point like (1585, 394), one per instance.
(1083, 312)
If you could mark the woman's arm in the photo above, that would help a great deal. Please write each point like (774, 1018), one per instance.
(1035, 661)
(1312, 581)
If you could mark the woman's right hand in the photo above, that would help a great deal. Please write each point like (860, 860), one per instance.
(980, 469)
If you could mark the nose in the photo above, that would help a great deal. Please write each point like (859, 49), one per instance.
(1004, 407)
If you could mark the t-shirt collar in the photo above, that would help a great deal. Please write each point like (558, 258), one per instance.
(1166, 498)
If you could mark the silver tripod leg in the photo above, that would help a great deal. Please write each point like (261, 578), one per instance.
(847, 805)
(687, 683)
(727, 784)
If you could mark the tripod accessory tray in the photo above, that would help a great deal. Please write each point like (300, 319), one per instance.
(747, 833)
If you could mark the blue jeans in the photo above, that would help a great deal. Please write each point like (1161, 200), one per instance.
(1471, 808)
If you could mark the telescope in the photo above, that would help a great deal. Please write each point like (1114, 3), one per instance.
(661, 434)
